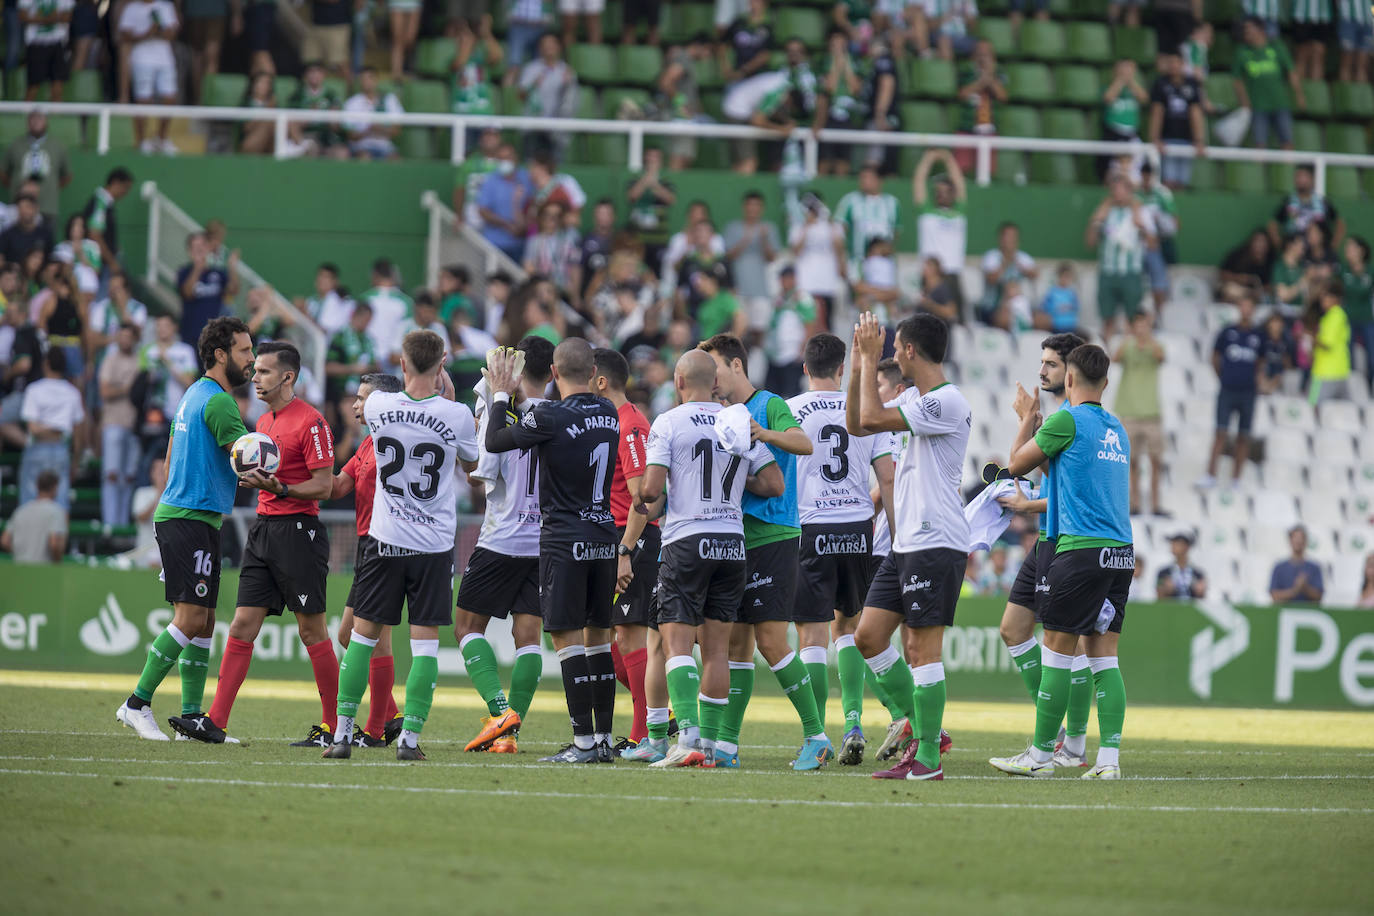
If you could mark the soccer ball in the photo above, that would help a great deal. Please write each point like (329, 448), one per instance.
(254, 452)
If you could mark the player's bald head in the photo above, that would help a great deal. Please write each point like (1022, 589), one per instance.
(697, 369)
(574, 360)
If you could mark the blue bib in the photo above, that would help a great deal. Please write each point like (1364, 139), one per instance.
(780, 510)
(199, 475)
(1090, 493)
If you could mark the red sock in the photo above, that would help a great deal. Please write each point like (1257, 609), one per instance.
(381, 677)
(233, 668)
(618, 661)
(392, 710)
(327, 680)
(635, 663)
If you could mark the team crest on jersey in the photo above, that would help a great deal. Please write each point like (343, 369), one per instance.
(931, 405)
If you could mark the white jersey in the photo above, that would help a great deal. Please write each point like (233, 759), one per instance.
(929, 512)
(987, 519)
(882, 534)
(418, 444)
(832, 481)
(705, 482)
(511, 525)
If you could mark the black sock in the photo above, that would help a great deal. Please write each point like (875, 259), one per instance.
(577, 687)
(601, 668)
(135, 703)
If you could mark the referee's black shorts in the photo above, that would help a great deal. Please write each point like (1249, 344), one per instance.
(285, 565)
(633, 606)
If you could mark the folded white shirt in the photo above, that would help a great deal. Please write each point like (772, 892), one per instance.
(732, 429)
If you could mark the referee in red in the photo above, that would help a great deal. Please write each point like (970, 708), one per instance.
(286, 559)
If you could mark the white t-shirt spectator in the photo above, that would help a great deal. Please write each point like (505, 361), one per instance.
(54, 402)
(387, 103)
(137, 19)
(942, 234)
(994, 260)
(33, 523)
(179, 356)
(409, 325)
(104, 316)
(551, 90)
(330, 311)
(818, 266)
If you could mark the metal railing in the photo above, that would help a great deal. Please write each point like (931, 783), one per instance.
(636, 131)
(450, 240)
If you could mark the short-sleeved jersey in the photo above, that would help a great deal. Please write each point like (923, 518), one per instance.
(418, 444)
(362, 467)
(775, 519)
(576, 441)
(1090, 459)
(305, 444)
(631, 461)
(832, 481)
(200, 481)
(705, 482)
(928, 510)
(511, 524)
(882, 534)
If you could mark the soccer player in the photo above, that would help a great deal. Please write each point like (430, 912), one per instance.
(837, 533)
(637, 555)
(420, 434)
(200, 492)
(1090, 574)
(771, 535)
(702, 576)
(575, 443)
(359, 476)
(286, 560)
(502, 575)
(1022, 611)
(918, 584)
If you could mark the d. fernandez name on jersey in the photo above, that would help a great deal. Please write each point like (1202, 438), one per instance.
(419, 418)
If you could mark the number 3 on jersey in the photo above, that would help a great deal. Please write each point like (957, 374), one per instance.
(428, 454)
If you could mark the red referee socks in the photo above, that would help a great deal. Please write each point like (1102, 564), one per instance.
(381, 708)
(326, 667)
(635, 663)
(233, 668)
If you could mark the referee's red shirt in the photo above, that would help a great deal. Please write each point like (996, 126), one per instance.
(362, 467)
(305, 444)
(631, 460)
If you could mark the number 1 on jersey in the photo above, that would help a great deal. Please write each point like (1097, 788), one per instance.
(704, 450)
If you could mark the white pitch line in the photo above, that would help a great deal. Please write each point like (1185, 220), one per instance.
(791, 802)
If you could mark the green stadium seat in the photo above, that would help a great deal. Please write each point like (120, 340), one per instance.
(337, 85)
(1221, 91)
(930, 77)
(1053, 168)
(1019, 121)
(1062, 9)
(1089, 42)
(683, 20)
(416, 143)
(998, 31)
(121, 134)
(806, 24)
(588, 105)
(1247, 177)
(1353, 101)
(712, 156)
(223, 90)
(85, 86)
(1041, 40)
(1279, 174)
(613, 18)
(593, 64)
(1137, 44)
(1307, 135)
(1029, 82)
(1317, 94)
(67, 129)
(428, 96)
(1342, 181)
(713, 103)
(1010, 167)
(639, 65)
(1075, 84)
(612, 97)
(18, 85)
(1224, 11)
(1346, 138)
(708, 74)
(1065, 124)
(924, 118)
(1368, 175)
(283, 88)
(994, 8)
(607, 149)
(1206, 175)
(434, 56)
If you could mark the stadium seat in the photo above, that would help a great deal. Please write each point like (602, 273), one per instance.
(1347, 138)
(429, 96)
(1247, 177)
(1019, 121)
(1221, 91)
(283, 89)
(1293, 413)
(1284, 475)
(607, 149)
(121, 134)
(806, 24)
(612, 98)
(683, 20)
(1307, 135)
(1077, 85)
(593, 64)
(1223, 51)
(85, 86)
(1317, 94)
(1335, 445)
(1042, 40)
(1353, 101)
(434, 56)
(1137, 44)
(416, 143)
(1342, 181)
(1206, 175)
(931, 77)
(1229, 508)
(924, 118)
(1029, 83)
(223, 90)
(588, 105)
(1342, 415)
(998, 31)
(1053, 168)
(639, 65)
(708, 73)
(1090, 42)
(1065, 124)
(1291, 446)
(1359, 508)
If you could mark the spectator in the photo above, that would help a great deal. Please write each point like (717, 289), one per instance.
(1008, 273)
(1195, 52)
(352, 354)
(1296, 580)
(80, 258)
(1157, 200)
(748, 40)
(171, 364)
(48, 48)
(145, 554)
(118, 308)
(52, 408)
(942, 227)
(1040, 9)
(268, 316)
(1367, 584)
(981, 88)
(680, 245)
(1289, 277)
(496, 294)
(479, 163)
(501, 204)
(389, 306)
(621, 301)
(1236, 359)
(101, 221)
(426, 318)
(404, 16)
(840, 80)
(553, 186)
(995, 575)
(548, 87)
(205, 290)
(1304, 207)
(1125, 12)
(936, 295)
(719, 311)
(1266, 11)
(320, 138)
(1137, 404)
(372, 140)
(641, 12)
(597, 245)
(21, 345)
(9, 213)
(1119, 231)
(867, 214)
(149, 26)
(554, 251)
(876, 289)
(1058, 311)
(1180, 579)
(883, 101)
(454, 301)
(477, 55)
(1331, 347)
(1358, 301)
(680, 96)
(1122, 101)
(327, 37)
(751, 243)
(37, 532)
(1276, 356)
(29, 233)
(649, 197)
(1356, 31)
(789, 98)
(260, 137)
(328, 309)
(534, 309)
(1319, 260)
(1248, 267)
(119, 446)
(792, 313)
(1262, 65)
(204, 34)
(703, 254)
(1176, 119)
(818, 246)
(1312, 32)
(258, 19)
(526, 23)
(39, 157)
(952, 24)
(589, 11)
(1174, 22)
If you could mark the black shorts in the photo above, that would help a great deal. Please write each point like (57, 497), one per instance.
(1030, 585)
(632, 607)
(642, 12)
(771, 583)
(257, 25)
(392, 576)
(285, 565)
(701, 578)
(1088, 590)
(190, 561)
(923, 586)
(359, 557)
(495, 585)
(1303, 32)
(577, 584)
(1172, 29)
(49, 64)
(836, 564)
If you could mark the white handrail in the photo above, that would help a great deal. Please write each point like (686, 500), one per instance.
(440, 216)
(635, 131)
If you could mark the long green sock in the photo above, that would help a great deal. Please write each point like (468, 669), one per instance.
(353, 671)
(524, 678)
(1028, 665)
(794, 679)
(424, 674)
(712, 711)
(194, 665)
(162, 655)
(814, 658)
(741, 689)
(1050, 704)
(1111, 705)
(901, 688)
(850, 662)
(1080, 698)
(683, 685)
(481, 664)
(930, 713)
(894, 709)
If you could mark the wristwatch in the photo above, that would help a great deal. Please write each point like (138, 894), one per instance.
(623, 551)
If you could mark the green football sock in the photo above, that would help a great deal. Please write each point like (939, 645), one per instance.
(424, 673)
(901, 688)
(1080, 699)
(481, 665)
(524, 678)
(794, 680)
(1052, 701)
(657, 723)
(741, 689)
(194, 664)
(879, 691)
(814, 658)
(850, 662)
(1111, 705)
(1028, 665)
(930, 713)
(712, 711)
(162, 655)
(353, 672)
(683, 685)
